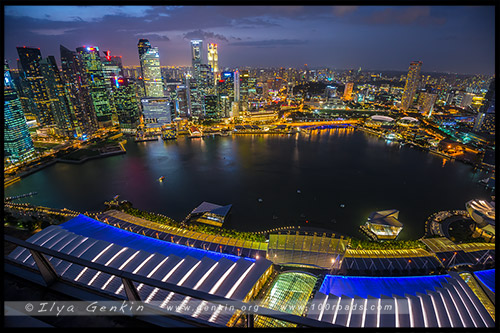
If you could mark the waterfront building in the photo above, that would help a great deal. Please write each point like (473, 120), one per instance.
(209, 213)
(151, 73)
(411, 84)
(18, 144)
(99, 94)
(156, 112)
(384, 224)
(29, 60)
(77, 87)
(225, 93)
(182, 102)
(125, 101)
(211, 107)
(483, 214)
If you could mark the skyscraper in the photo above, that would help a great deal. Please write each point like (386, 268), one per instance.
(213, 58)
(76, 82)
(92, 66)
(29, 59)
(151, 73)
(143, 46)
(411, 84)
(125, 102)
(196, 54)
(18, 144)
(58, 97)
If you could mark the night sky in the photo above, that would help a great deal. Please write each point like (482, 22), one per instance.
(445, 38)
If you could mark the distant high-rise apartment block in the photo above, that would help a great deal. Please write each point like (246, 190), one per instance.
(411, 84)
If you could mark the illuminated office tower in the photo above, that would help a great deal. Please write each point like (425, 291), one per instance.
(225, 93)
(213, 58)
(348, 91)
(236, 76)
(156, 112)
(143, 46)
(58, 96)
(33, 80)
(182, 102)
(125, 102)
(151, 73)
(17, 141)
(211, 107)
(245, 87)
(196, 54)
(412, 80)
(77, 87)
(99, 94)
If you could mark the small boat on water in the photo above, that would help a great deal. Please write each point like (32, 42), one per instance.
(161, 178)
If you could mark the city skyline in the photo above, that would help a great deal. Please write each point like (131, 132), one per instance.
(444, 38)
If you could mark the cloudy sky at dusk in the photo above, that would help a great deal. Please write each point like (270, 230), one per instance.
(445, 38)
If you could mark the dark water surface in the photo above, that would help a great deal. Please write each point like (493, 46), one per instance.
(330, 168)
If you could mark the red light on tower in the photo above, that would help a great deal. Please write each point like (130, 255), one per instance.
(107, 55)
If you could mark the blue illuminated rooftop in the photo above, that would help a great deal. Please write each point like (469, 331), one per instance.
(362, 286)
(487, 277)
(86, 226)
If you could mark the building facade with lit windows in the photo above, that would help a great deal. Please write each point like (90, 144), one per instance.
(58, 96)
(126, 104)
(77, 88)
(411, 84)
(99, 94)
(29, 60)
(151, 73)
(213, 57)
(18, 144)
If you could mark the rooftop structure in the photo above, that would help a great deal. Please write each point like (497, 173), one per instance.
(210, 213)
(384, 224)
(417, 301)
(232, 277)
(483, 213)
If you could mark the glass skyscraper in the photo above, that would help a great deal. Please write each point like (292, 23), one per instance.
(99, 94)
(18, 144)
(77, 87)
(412, 80)
(151, 72)
(34, 82)
(58, 96)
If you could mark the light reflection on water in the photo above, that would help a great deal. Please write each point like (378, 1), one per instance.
(330, 167)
